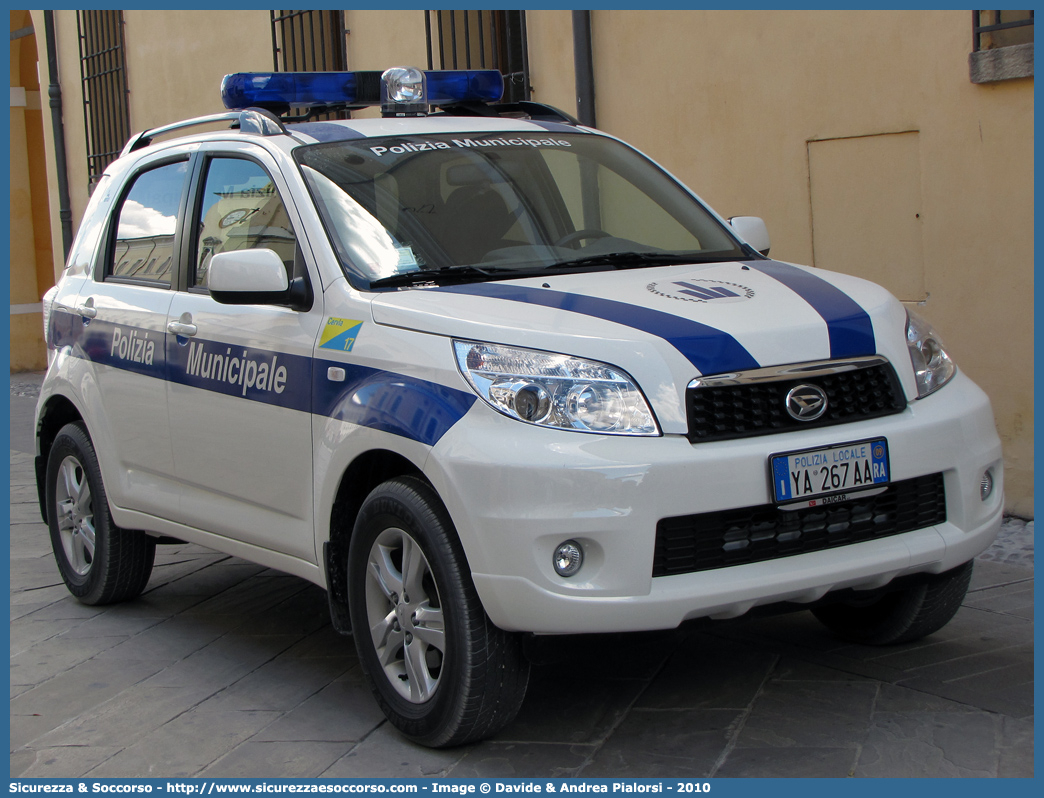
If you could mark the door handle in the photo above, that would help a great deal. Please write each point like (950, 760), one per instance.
(87, 309)
(182, 326)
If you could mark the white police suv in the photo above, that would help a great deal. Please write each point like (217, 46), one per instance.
(480, 371)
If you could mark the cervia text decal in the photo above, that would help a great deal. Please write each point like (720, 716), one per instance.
(702, 291)
(339, 334)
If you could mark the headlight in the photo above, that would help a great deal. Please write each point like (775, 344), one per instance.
(932, 366)
(553, 390)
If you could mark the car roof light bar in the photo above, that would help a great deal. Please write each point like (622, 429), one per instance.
(280, 91)
(448, 86)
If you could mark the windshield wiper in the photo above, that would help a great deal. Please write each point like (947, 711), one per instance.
(439, 275)
(615, 260)
(637, 260)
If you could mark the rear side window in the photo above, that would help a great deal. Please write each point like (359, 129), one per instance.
(147, 223)
(82, 253)
(241, 209)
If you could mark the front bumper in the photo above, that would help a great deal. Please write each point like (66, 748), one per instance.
(516, 491)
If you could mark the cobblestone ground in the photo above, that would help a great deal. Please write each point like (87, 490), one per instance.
(223, 668)
(1014, 544)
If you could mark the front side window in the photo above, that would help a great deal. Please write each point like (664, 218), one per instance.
(147, 222)
(503, 206)
(240, 209)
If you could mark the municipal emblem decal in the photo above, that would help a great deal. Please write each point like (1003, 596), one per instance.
(716, 291)
(339, 334)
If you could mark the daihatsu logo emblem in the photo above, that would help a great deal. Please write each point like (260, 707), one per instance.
(806, 402)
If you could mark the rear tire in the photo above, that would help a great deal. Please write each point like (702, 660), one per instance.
(902, 616)
(99, 562)
(441, 671)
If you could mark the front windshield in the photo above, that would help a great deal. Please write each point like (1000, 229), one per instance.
(502, 205)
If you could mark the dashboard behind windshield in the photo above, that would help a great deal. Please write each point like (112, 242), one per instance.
(494, 205)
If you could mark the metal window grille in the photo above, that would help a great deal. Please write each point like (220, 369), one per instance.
(308, 41)
(994, 29)
(482, 40)
(103, 72)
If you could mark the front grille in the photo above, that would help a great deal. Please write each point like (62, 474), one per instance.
(756, 407)
(754, 534)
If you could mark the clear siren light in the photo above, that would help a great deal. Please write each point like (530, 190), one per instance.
(400, 91)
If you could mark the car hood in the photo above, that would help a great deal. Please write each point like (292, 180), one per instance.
(667, 325)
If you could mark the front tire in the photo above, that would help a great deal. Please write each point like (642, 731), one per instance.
(443, 674)
(99, 562)
(903, 615)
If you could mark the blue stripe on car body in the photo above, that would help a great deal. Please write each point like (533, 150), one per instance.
(849, 326)
(710, 350)
(412, 408)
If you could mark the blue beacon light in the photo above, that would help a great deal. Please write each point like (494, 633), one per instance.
(400, 91)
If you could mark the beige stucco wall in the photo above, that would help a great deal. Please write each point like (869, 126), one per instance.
(551, 71)
(741, 106)
(30, 236)
(26, 337)
(380, 39)
(168, 83)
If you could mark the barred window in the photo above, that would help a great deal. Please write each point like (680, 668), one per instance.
(103, 71)
(481, 40)
(1002, 28)
(308, 41)
(1002, 46)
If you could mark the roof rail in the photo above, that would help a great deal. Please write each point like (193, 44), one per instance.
(251, 120)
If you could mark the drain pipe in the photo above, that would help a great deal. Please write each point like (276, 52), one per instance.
(583, 63)
(54, 92)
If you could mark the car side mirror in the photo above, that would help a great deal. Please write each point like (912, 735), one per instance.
(255, 277)
(752, 229)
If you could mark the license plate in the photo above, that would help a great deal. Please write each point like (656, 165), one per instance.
(847, 467)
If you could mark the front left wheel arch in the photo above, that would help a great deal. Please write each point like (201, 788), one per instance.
(362, 475)
(56, 413)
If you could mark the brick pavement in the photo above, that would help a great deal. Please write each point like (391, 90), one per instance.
(223, 668)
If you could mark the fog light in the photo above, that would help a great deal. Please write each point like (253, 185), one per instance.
(568, 558)
(986, 485)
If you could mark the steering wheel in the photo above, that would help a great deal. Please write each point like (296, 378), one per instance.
(579, 235)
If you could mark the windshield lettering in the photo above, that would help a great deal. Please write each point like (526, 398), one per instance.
(511, 143)
(492, 206)
(416, 146)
